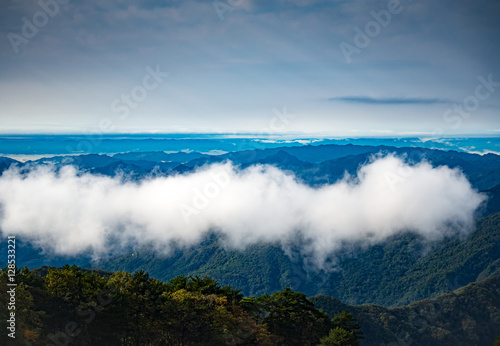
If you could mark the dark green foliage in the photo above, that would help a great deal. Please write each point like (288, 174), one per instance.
(204, 285)
(290, 317)
(346, 321)
(405, 270)
(345, 332)
(258, 269)
(73, 306)
(467, 316)
(79, 307)
(493, 194)
(28, 317)
(339, 337)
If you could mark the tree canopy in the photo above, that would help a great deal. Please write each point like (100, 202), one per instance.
(74, 306)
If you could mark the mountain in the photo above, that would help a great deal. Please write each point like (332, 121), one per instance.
(6, 162)
(204, 160)
(327, 163)
(159, 156)
(402, 270)
(405, 270)
(283, 160)
(320, 153)
(258, 269)
(88, 161)
(467, 316)
(313, 164)
(29, 255)
(127, 168)
(108, 308)
(493, 205)
(482, 171)
(321, 164)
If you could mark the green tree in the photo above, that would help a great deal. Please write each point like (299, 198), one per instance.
(137, 305)
(347, 322)
(28, 319)
(339, 337)
(203, 285)
(290, 317)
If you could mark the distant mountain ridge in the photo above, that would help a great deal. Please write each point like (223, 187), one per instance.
(315, 165)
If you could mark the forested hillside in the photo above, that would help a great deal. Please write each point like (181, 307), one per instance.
(73, 306)
(467, 316)
(401, 271)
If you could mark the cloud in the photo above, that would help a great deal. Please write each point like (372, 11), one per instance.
(389, 100)
(479, 152)
(71, 213)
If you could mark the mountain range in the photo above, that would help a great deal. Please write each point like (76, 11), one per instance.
(402, 270)
(467, 316)
(313, 164)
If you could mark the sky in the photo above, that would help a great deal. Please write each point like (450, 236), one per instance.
(333, 68)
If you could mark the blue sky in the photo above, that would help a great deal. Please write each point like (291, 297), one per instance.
(314, 67)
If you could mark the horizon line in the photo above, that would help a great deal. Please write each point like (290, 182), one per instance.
(297, 135)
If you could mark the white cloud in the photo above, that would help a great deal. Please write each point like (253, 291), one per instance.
(71, 212)
(479, 152)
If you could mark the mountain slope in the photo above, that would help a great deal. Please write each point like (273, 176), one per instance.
(405, 270)
(158, 156)
(467, 316)
(493, 205)
(401, 271)
(257, 269)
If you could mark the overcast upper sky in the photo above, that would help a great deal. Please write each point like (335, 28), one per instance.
(295, 66)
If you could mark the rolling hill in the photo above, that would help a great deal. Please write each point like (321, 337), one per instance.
(467, 316)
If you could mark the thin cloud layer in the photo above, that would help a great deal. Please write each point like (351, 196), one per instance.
(69, 212)
(389, 100)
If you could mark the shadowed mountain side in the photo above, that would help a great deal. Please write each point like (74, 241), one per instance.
(401, 271)
(31, 256)
(493, 205)
(87, 161)
(482, 171)
(258, 269)
(467, 316)
(159, 156)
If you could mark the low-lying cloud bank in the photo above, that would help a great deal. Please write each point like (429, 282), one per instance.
(70, 212)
